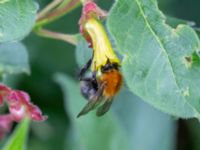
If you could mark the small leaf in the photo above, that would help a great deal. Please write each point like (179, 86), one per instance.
(13, 58)
(154, 55)
(17, 18)
(90, 130)
(17, 141)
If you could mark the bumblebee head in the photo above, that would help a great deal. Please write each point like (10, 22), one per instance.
(109, 67)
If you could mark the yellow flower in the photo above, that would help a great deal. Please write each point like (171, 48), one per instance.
(102, 47)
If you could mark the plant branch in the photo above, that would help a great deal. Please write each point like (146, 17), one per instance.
(48, 8)
(57, 13)
(86, 1)
(55, 35)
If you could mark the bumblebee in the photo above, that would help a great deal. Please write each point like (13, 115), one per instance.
(105, 80)
(100, 90)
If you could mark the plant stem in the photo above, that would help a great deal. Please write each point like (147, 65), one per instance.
(59, 36)
(86, 1)
(57, 13)
(48, 8)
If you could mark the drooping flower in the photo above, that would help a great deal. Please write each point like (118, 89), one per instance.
(21, 107)
(95, 34)
(102, 48)
(90, 10)
(19, 104)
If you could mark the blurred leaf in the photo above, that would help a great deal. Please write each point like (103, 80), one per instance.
(157, 63)
(13, 58)
(83, 52)
(144, 125)
(17, 18)
(198, 31)
(17, 141)
(90, 132)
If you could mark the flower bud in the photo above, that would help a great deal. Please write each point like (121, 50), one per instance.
(21, 107)
(6, 122)
(19, 104)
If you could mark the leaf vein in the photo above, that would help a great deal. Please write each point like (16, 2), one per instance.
(163, 50)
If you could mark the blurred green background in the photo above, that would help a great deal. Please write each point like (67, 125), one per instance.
(131, 125)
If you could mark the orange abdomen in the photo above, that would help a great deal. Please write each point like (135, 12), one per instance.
(113, 82)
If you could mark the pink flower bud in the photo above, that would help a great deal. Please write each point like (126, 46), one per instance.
(19, 104)
(89, 7)
(4, 90)
(5, 124)
(36, 113)
(21, 107)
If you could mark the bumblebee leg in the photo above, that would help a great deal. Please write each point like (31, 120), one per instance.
(94, 102)
(84, 69)
(104, 108)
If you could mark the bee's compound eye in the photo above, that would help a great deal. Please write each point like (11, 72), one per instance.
(88, 89)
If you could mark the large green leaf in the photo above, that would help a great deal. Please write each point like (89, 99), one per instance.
(145, 126)
(13, 58)
(90, 132)
(159, 63)
(17, 141)
(17, 18)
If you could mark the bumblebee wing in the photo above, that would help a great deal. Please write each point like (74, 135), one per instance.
(94, 102)
(88, 107)
(104, 108)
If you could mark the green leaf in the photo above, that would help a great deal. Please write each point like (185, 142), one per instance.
(13, 58)
(17, 18)
(157, 59)
(90, 132)
(17, 141)
(83, 53)
(144, 125)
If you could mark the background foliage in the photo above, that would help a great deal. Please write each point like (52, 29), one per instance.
(131, 125)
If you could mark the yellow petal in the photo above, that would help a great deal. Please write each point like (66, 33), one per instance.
(102, 47)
